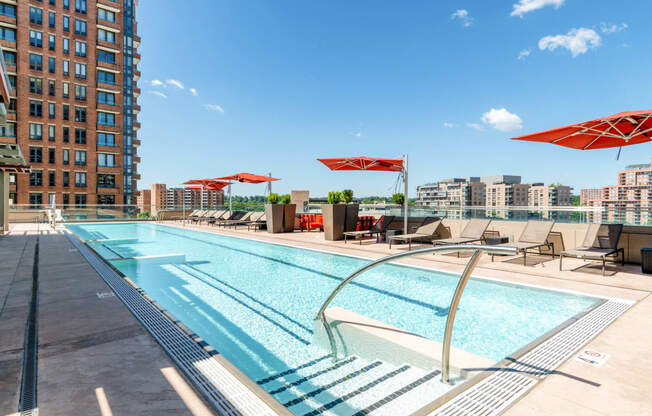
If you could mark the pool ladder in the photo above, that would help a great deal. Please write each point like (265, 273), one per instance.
(475, 249)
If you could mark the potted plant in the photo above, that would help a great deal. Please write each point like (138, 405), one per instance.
(351, 216)
(289, 213)
(274, 214)
(334, 215)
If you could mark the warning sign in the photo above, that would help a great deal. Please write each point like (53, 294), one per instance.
(592, 357)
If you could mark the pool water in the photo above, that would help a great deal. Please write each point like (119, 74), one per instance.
(255, 303)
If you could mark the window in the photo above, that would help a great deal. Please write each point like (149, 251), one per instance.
(80, 114)
(35, 62)
(8, 130)
(80, 136)
(80, 48)
(53, 2)
(35, 108)
(10, 57)
(52, 19)
(80, 179)
(80, 6)
(106, 119)
(12, 105)
(35, 85)
(36, 178)
(105, 181)
(104, 56)
(66, 112)
(35, 38)
(66, 4)
(51, 155)
(80, 27)
(35, 15)
(51, 110)
(106, 199)
(66, 67)
(51, 178)
(106, 77)
(80, 70)
(66, 23)
(65, 156)
(80, 157)
(105, 98)
(35, 199)
(52, 88)
(107, 15)
(65, 90)
(66, 198)
(106, 160)
(66, 46)
(80, 92)
(7, 10)
(105, 35)
(51, 132)
(12, 81)
(66, 179)
(7, 34)
(35, 131)
(65, 134)
(51, 42)
(105, 139)
(35, 155)
(51, 64)
(80, 200)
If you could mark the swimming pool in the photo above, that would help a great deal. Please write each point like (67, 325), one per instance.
(255, 303)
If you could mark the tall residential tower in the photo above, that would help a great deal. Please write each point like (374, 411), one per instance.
(72, 66)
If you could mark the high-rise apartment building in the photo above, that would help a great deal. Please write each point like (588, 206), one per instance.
(72, 66)
(162, 197)
(540, 195)
(592, 194)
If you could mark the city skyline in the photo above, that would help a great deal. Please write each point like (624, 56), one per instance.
(270, 87)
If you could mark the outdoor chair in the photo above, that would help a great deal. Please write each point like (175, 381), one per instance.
(197, 217)
(427, 232)
(257, 225)
(534, 236)
(235, 215)
(208, 215)
(473, 232)
(237, 219)
(600, 242)
(317, 223)
(252, 217)
(216, 216)
(379, 227)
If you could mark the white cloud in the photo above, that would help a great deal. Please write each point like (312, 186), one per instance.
(475, 126)
(158, 93)
(502, 119)
(174, 82)
(157, 83)
(609, 28)
(193, 91)
(526, 6)
(463, 16)
(523, 54)
(577, 41)
(449, 125)
(214, 107)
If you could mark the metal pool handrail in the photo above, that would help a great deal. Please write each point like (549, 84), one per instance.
(477, 250)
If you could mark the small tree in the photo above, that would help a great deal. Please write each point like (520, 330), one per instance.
(334, 197)
(347, 196)
(273, 198)
(398, 199)
(144, 214)
(286, 199)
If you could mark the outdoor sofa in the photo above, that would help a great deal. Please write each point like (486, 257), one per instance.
(379, 227)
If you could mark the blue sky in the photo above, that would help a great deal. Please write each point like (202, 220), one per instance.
(269, 86)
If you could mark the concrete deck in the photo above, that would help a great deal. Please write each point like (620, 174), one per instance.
(94, 355)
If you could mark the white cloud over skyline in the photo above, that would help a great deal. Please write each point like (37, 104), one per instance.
(475, 126)
(523, 54)
(502, 120)
(214, 107)
(577, 41)
(463, 16)
(175, 83)
(526, 6)
(609, 28)
(157, 83)
(193, 91)
(158, 93)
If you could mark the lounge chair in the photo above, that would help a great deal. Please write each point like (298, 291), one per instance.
(235, 215)
(379, 227)
(473, 232)
(206, 216)
(535, 235)
(217, 215)
(249, 216)
(257, 225)
(193, 214)
(427, 232)
(600, 241)
(197, 217)
(255, 217)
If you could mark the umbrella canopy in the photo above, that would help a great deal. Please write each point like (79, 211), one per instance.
(206, 183)
(247, 178)
(363, 163)
(617, 130)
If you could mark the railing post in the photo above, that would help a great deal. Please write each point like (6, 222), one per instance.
(450, 320)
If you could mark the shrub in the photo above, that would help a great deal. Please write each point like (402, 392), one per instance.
(398, 199)
(272, 198)
(347, 196)
(286, 199)
(144, 214)
(334, 197)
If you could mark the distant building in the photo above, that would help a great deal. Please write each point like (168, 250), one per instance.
(144, 200)
(162, 197)
(593, 194)
(540, 195)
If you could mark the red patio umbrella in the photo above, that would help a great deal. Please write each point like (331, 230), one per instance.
(375, 164)
(245, 177)
(617, 130)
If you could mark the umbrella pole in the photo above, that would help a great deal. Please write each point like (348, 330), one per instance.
(230, 202)
(269, 184)
(405, 195)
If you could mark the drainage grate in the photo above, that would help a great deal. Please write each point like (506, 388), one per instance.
(221, 388)
(498, 392)
(27, 405)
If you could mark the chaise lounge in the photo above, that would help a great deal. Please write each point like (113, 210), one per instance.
(534, 235)
(600, 242)
(427, 232)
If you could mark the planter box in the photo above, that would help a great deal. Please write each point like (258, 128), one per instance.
(274, 216)
(351, 218)
(334, 216)
(289, 214)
